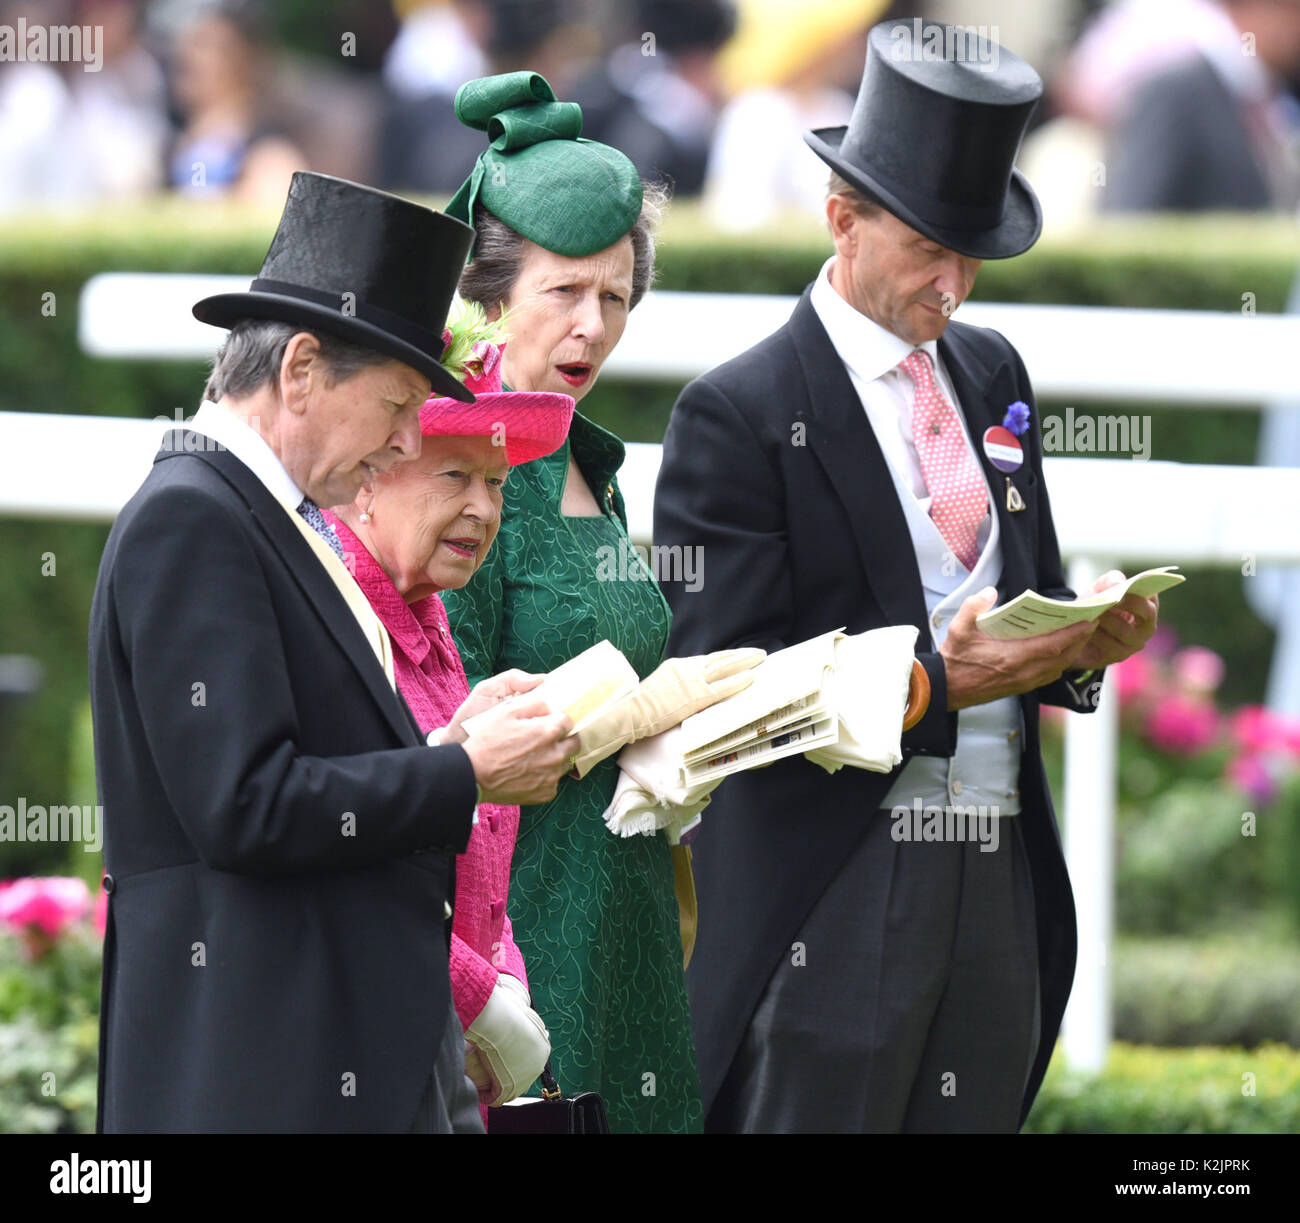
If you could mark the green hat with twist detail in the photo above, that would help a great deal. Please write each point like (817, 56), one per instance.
(572, 196)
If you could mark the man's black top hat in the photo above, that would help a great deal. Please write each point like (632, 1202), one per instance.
(363, 265)
(934, 135)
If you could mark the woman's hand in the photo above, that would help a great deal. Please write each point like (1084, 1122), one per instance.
(478, 1073)
(486, 693)
(510, 1040)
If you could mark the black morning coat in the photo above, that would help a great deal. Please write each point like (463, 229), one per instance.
(280, 843)
(771, 466)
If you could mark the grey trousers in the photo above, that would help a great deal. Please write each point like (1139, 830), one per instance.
(450, 1101)
(908, 1003)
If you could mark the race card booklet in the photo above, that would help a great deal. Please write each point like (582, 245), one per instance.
(583, 687)
(1031, 614)
(785, 711)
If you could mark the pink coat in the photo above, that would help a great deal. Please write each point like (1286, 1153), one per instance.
(431, 677)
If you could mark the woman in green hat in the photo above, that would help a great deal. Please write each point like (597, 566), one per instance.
(565, 245)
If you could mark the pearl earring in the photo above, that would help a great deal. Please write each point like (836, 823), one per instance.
(365, 514)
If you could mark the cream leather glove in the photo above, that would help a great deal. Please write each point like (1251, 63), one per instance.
(678, 688)
(510, 1039)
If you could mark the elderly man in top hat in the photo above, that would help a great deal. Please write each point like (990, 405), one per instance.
(872, 464)
(279, 840)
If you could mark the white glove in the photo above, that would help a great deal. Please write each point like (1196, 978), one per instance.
(678, 688)
(637, 812)
(509, 1039)
(652, 794)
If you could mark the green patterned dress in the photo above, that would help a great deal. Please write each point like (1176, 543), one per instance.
(595, 915)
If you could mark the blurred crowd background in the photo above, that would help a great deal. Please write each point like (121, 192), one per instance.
(1165, 104)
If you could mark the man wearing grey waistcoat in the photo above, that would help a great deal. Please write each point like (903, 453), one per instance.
(869, 957)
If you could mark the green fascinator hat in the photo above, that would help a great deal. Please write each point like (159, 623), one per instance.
(572, 196)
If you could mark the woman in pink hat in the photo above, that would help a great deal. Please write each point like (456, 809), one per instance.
(422, 527)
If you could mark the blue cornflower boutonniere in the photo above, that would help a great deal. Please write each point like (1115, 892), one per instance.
(1017, 418)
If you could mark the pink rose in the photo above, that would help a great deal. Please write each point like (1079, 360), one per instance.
(1251, 728)
(1250, 775)
(1133, 677)
(48, 903)
(1198, 668)
(1183, 725)
(484, 359)
(1257, 729)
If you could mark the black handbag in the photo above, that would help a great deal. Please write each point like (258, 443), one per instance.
(554, 1113)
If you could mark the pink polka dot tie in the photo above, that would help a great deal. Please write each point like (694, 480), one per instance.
(959, 495)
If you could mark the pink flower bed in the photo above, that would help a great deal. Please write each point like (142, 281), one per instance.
(41, 909)
(1171, 696)
(1166, 695)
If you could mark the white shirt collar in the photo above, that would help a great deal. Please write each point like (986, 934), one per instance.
(865, 347)
(216, 421)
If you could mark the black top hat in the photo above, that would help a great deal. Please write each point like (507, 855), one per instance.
(363, 265)
(934, 135)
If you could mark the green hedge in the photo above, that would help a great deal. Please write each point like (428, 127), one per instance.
(49, 1034)
(1184, 865)
(1173, 1091)
(1188, 264)
(1226, 990)
(1191, 263)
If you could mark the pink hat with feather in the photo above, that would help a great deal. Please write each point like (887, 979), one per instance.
(529, 424)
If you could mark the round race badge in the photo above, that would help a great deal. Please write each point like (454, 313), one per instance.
(1003, 448)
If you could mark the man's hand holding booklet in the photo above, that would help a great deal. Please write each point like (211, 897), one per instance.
(1031, 614)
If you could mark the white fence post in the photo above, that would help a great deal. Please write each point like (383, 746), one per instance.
(1089, 804)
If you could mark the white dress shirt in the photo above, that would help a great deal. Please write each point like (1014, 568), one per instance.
(250, 448)
(985, 767)
(871, 355)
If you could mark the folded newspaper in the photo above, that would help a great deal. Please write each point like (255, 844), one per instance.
(837, 698)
